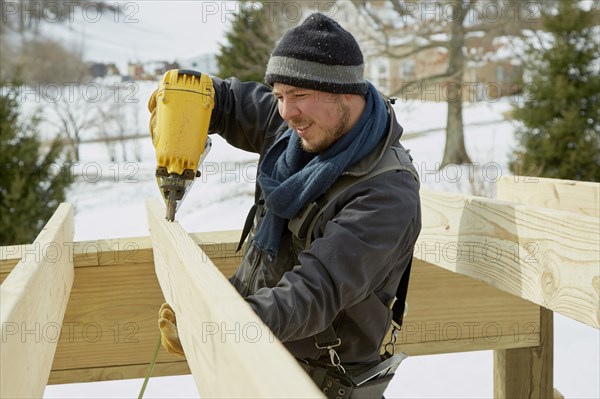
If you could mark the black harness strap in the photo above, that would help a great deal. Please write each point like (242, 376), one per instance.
(248, 223)
(400, 304)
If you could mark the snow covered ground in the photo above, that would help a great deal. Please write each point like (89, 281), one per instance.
(109, 194)
(109, 201)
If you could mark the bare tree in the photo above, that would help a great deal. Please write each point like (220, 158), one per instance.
(137, 144)
(119, 121)
(401, 29)
(43, 61)
(26, 56)
(75, 115)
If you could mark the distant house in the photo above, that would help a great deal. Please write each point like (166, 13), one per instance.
(481, 80)
(158, 68)
(102, 70)
(135, 71)
(494, 73)
(149, 70)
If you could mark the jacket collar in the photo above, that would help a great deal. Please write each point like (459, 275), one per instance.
(366, 165)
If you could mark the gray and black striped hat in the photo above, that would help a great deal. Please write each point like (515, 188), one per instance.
(320, 55)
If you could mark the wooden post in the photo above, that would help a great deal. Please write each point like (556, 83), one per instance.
(229, 349)
(527, 372)
(33, 299)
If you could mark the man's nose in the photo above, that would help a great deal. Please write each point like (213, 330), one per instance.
(288, 109)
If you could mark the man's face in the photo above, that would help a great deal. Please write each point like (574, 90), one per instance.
(318, 117)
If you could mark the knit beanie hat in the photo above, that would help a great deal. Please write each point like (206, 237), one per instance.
(320, 55)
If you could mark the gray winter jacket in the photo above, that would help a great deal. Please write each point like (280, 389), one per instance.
(362, 245)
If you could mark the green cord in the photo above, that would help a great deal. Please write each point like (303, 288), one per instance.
(149, 373)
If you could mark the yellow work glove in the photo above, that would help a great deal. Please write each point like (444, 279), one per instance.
(167, 323)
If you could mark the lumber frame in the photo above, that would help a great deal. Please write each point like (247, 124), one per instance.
(464, 315)
(210, 316)
(116, 292)
(33, 300)
(545, 256)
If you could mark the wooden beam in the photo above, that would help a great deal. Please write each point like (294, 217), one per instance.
(119, 251)
(530, 372)
(33, 299)
(94, 374)
(545, 256)
(564, 195)
(230, 351)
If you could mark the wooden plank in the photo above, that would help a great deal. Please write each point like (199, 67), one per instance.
(565, 195)
(230, 351)
(161, 369)
(110, 323)
(112, 317)
(546, 256)
(493, 342)
(218, 244)
(528, 372)
(33, 299)
(463, 315)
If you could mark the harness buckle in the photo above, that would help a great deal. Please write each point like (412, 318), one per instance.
(333, 355)
(337, 343)
(390, 347)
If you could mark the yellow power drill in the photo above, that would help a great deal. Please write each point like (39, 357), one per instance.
(181, 108)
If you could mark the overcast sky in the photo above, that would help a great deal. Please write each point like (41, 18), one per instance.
(144, 30)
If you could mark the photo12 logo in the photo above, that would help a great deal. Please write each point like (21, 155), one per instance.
(35, 12)
(267, 11)
(74, 92)
(69, 332)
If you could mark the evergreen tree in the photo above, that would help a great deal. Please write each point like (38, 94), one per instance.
(561, 127)
(32, 182)
(252, 37)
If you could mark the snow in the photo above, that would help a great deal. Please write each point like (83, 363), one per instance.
(113, 206)
(109, 193)
(440, 37)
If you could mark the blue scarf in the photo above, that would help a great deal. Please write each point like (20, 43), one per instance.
(291, 177)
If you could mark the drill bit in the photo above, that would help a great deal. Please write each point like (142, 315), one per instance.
(173, 188)
(171, 206)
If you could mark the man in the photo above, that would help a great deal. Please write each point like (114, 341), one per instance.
(328, 143)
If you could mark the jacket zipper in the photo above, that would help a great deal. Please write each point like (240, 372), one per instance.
(254, 273)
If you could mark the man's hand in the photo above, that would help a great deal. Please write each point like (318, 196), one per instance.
(167, 323)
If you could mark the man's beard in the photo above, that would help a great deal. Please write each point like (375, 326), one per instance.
(331, 135)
